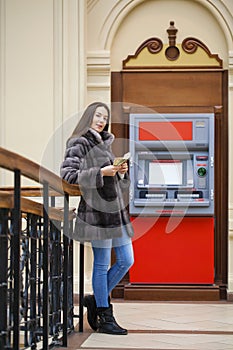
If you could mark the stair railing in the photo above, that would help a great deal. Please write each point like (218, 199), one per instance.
(36, 258)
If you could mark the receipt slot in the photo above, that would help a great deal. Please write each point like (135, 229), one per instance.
(172, 197)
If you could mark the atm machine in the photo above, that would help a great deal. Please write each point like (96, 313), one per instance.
(172, 198)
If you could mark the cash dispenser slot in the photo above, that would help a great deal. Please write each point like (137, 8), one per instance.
(150, 198)
(153, 195)
(188, 195)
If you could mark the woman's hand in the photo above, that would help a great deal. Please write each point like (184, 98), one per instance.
(110, 170)
(123, 168)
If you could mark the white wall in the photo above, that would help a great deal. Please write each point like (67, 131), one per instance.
(28, 76)
(42, 84)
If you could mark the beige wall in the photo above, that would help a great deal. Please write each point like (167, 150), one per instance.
(28, 89)
(57, 55)
(41, 82)
(152, 18)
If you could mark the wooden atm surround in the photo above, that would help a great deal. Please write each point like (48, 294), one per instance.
(180, 89)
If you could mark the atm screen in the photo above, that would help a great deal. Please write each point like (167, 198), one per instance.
(165, 172)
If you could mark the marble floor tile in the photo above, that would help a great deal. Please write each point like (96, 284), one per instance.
(160, 341)
(167, 326)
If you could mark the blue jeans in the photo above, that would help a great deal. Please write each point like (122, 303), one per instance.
(104, 277)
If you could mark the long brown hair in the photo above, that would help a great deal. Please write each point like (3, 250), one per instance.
(86, 120)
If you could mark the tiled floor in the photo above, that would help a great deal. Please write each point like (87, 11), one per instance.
(163, 326)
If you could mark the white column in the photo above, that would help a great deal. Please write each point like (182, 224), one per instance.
(98, 76)
(98, 89)
(2, 70)
(74, 56)
(57, 141)
(2, 79)
(74, 98)
(69, 72)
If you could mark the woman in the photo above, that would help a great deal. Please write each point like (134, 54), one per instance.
(102, 218)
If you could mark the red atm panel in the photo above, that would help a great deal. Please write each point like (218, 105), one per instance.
(172, 130)
(185, 255)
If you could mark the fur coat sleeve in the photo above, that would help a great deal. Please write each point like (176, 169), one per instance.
(75, 170)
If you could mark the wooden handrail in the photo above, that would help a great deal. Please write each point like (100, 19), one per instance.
(13, 161)
(31, 191)
(31, 207)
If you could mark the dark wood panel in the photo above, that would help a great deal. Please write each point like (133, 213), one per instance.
(174, 293)
(173, 88)
(173, 92)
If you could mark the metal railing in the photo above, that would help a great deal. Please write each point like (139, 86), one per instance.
(36, 259)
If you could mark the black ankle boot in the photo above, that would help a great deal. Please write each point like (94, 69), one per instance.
(106, 322)
(90, 303)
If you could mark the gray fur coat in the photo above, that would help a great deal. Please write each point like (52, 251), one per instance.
(101, 211)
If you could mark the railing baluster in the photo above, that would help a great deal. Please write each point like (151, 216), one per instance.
(3, 276)
(33, 264)
(65, 267)
(71, 281)
(16, 259)
(45, 265)
(25, 284)
(11, 283)
(40, 278)
(81, 285)
(55, 279)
